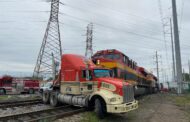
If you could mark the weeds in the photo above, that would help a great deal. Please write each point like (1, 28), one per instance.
(90, 117)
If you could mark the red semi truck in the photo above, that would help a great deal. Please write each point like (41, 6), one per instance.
(11, 85)
(82, 83)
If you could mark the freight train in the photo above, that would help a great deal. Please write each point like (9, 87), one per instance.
(13, 85)
(81, 83)
(125, 68)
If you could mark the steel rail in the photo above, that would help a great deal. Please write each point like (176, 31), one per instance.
(19, 103)
(51, 113)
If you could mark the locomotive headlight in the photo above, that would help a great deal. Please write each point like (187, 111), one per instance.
(98, 62)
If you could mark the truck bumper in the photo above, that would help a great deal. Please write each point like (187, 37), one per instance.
(122, 108)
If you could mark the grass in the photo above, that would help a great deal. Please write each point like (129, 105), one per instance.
(17, 98)
(3, 97)
(183, 100)
(90, 117)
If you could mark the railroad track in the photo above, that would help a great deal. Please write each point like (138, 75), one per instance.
(19, 103)
(18, 94)
(47, 115)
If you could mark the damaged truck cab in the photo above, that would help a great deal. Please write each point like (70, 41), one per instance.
(82, 83)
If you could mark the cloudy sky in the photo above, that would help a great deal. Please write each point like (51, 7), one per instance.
(131, 26)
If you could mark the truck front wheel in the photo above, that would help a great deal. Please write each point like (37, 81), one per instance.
(2, 91)
(31, 91)
(54, 99)
(45, 97)
(100, 108)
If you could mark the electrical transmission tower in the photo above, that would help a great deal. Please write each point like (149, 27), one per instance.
(89, 37)
(168, 35)
(165, 28)
(49, 57)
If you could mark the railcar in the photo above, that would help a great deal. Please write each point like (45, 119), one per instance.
(125, 68)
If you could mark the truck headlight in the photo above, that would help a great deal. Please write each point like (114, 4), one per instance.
(112, 99)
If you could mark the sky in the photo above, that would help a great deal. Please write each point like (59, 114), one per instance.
(131, 26)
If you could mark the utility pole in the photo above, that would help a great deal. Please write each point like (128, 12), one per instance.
(51, 45)
(177, 47)
(173, 57)
(183, 72)
(157, 66)
(89, 37)
(189, 68)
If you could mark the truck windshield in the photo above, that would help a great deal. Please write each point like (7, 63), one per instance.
(101, 73)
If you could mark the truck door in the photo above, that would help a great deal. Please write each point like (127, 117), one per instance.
(88, 85)
(20, 86)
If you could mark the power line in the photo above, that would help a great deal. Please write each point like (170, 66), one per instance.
(182, 10)
(150, 29)
(117, 29)
(124, 13)
(114, 28)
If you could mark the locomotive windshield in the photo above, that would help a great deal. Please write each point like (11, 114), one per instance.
(101, 73)
(112, 56)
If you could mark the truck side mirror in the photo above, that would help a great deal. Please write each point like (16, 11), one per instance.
(88, 75)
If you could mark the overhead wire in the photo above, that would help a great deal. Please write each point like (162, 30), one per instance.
(149, 28)
(112, 28)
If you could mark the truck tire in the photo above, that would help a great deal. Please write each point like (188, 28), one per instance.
(100, 108)
(54, 99)
(2, 91)
(31, 91)
(45, 97)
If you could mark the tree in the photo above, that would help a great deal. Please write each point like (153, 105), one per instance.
(186, 76)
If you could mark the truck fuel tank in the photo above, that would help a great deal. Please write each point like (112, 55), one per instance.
(79, 100)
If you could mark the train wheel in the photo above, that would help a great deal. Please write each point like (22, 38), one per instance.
(45, 97)
(100, 108)
(54, 99)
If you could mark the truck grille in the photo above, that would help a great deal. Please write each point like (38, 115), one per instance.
(128, 93)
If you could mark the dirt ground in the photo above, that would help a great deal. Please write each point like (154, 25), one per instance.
(152, 108)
